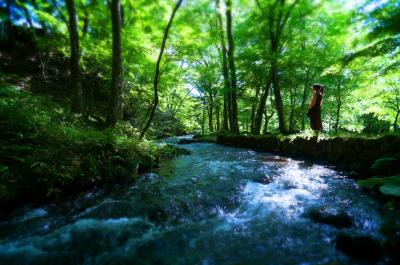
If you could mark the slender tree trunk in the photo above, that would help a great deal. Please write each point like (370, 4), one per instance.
(91, 5)
(278, 15)
(339, 105)
(261, 108)
(225, 73)
(267, 119)
(292, 119)
(115, 102)
(232, 68)
(303, 101)
(217, 112)
(9, 24)
(395, 127)
(158, 73)
(210, 112)
(278, 97)
(203, 120)
(75, 79)
(254, 109)
(85, 21)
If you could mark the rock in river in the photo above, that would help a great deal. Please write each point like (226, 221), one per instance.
(338, 220)
(359, 247)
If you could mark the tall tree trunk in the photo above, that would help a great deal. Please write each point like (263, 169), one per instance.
(395, 127)
(339, 104)
(397, 103)
(277, 93)
(278, 14)
(303, 101)
(225, 73)
(338, 108)
(232, 68)
(75, 79)
(158, 73)
(217, 112)
(210, 112)
(267, 119)
(85, 21)
(225, 114)
(203, 120)
(261, 108)
(89, 6)
(292, 120)
(254, 109)
(9, 24)
(115, 102)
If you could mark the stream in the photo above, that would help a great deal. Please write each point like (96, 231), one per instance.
(219, 205)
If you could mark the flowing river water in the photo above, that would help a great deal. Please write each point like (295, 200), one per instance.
(218, 205)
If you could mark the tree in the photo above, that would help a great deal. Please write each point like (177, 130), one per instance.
(278, 13)
(227, 118)
(225, 72)
(232, 69)
(75, 76)
(115, 103)
(157, 74)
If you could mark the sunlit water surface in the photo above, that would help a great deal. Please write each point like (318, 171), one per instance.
(219, 205)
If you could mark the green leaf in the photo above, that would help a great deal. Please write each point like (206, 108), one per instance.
(376, 181)
(390, 189)
(3, 168)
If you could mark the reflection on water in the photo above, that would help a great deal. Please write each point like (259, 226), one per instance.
(219, 205)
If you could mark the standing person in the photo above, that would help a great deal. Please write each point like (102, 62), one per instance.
(314, 109)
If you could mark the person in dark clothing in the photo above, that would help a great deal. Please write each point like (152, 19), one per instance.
(314, 109)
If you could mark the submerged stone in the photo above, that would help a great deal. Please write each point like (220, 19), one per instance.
(189, 141)
(338, 220)
(359, 247)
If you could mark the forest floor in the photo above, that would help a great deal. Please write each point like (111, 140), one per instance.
(48, 152)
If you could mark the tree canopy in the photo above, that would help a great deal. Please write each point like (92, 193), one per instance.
(225, 65)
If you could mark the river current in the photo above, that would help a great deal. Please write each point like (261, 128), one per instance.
(218, 205)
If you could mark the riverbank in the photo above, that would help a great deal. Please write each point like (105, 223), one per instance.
(47, 152)
(355, 155)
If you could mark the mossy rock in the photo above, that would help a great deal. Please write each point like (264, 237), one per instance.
(386, 166)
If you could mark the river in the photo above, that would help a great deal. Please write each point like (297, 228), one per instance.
(218, 205)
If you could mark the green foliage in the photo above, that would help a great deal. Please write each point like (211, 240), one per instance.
(48, 151)
(352, 49)
(387, 185)
(379, 181)
(390, 189)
